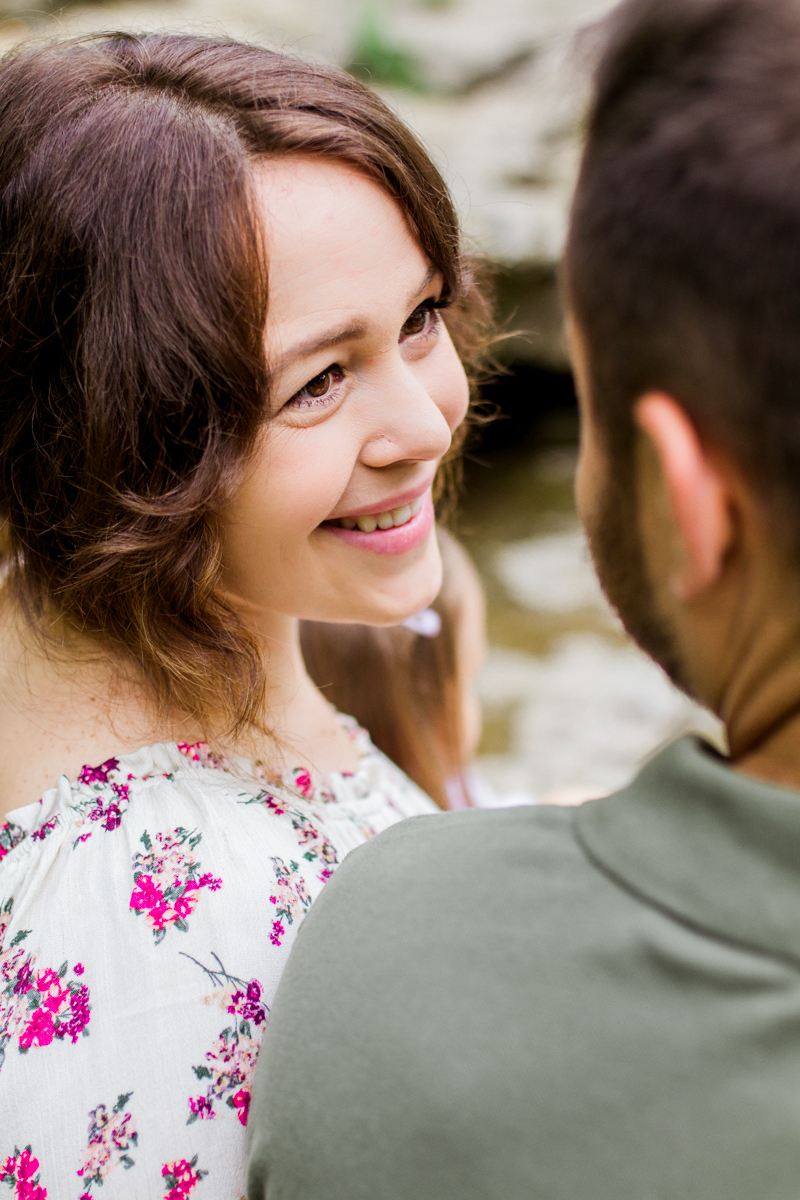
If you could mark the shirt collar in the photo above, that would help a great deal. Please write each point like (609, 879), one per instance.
(714, 847)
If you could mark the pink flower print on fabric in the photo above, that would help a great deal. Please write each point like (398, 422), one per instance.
(229, 1067)
(111, 797)
(302, 780)
(167, 880)
(231, 1061)
(99, 774)
(110, 814)
(241, 1102)
(5, 921)
(37, 1006)
(41, 833)
(318, 848)
(21, 1172)
(291, 899)
(181, 1178)
(200, 1107)
(200, 752)
(62, 1010)
(10, 836)
(111, 1136)
(273, 803)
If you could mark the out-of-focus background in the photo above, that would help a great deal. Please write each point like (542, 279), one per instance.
(495, 89)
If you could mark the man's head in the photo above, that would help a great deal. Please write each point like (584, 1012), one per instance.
(682, 278)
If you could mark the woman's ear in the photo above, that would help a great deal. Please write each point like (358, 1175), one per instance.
(697, 490)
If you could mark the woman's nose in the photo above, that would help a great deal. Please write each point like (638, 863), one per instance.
(410, 424)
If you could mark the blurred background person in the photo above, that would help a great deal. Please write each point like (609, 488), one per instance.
(413, 687)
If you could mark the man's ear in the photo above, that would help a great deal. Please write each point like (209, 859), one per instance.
(696, 488)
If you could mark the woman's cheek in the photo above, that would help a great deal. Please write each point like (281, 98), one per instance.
(304, 478)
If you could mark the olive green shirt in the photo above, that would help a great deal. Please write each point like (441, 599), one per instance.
(600, 1003)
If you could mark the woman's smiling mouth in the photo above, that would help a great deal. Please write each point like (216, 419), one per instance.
(390, 519)
(391, 531)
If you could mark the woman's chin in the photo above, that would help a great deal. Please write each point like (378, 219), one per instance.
(385, 611)
(392, 601)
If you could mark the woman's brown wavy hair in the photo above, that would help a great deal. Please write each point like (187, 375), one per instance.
(133, 299)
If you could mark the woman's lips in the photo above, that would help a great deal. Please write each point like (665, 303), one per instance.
(387, 519)
(395, 539)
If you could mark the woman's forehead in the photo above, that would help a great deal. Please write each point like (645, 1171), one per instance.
(339, 249)
(325, 222)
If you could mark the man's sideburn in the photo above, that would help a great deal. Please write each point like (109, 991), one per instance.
(615, 542)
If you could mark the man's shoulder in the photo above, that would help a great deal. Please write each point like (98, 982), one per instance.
(476, 877)
(458, 850)
(479, 1003)
(546, 831)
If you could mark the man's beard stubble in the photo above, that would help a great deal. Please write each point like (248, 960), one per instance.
(616, 547)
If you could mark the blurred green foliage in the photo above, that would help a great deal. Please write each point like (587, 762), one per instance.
(376, 60)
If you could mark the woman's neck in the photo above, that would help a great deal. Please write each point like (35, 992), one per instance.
(65, 702)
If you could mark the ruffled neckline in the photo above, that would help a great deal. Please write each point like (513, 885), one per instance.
(164, 759)
(307, 784)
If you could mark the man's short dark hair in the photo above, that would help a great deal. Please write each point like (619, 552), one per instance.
(683, 261)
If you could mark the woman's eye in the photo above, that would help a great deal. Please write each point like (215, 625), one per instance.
(318, 389)
(422, 320)
(319, 385)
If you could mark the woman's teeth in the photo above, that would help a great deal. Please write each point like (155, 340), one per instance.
(384, 520)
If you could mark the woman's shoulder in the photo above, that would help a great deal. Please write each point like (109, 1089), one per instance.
(147, 908)
(172, 837)
(191, 791)
(109, 796)
(146, 911)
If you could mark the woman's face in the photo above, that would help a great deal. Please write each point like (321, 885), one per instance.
(334, 520)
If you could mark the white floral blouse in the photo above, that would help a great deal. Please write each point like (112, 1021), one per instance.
(146, 914)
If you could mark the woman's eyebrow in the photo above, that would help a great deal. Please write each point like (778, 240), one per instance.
(312, 345)
(430, 275)
(345, 333)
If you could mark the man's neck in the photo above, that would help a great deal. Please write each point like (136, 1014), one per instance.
(761, 708)
(776, 758)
